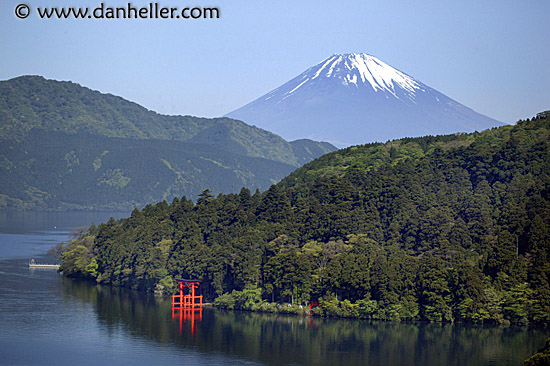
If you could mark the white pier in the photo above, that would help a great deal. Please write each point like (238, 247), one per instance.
(33, 264)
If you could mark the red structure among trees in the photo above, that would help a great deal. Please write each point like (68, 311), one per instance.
(189, 306)
(181, 301)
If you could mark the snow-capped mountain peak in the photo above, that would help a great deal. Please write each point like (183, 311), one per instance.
(355, 98)
(360, 69)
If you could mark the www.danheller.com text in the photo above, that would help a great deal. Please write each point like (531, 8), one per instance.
(127, 11)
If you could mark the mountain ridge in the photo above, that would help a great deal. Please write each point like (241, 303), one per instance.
(64, 146)
(35, 102)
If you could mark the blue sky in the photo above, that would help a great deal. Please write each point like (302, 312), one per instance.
(493, 56)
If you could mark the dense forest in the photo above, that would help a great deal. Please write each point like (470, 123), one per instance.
(444, 228)
(64, 146)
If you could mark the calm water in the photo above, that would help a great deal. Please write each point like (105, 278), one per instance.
(46, 319)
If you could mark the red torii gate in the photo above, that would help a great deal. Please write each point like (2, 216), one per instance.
(189, 301)
(187, 307)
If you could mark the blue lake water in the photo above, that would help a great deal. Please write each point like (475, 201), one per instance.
(46, 319)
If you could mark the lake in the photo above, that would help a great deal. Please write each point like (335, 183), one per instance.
(46, 319)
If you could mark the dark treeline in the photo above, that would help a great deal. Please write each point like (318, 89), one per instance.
(447, 228)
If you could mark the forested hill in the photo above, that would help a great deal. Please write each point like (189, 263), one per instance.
(31, 102)
(60, 171)
(63, 146)
(438, 228)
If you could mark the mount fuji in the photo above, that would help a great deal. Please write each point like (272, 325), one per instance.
(351, 99)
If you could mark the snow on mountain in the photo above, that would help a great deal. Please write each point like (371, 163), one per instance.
(351, 99)
(348, 69)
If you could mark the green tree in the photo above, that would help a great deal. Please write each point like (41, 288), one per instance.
(434, 289)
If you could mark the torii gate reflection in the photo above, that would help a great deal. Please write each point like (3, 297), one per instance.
(187, 307)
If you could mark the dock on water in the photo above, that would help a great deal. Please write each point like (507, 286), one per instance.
(33, 264)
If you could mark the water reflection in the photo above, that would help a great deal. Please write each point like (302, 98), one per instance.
(188, 306)
(187, 315)
(276, 339)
